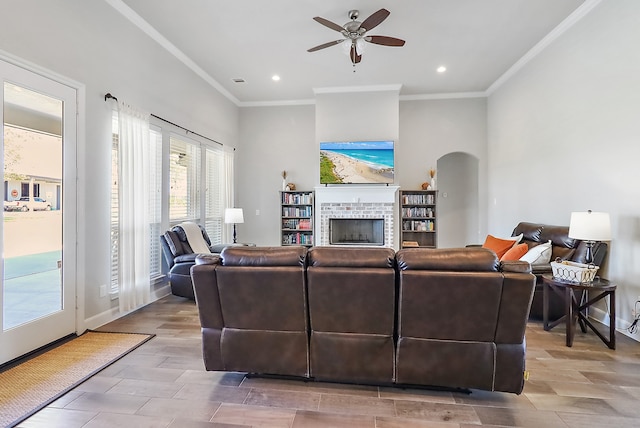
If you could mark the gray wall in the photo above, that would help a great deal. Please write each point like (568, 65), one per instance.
(275, 139)
(363, 116)
(564, 136)
(286, 138)
(457, 209)
(431, 129)
(93, 44)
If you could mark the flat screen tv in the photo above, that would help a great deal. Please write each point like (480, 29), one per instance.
(356, 162)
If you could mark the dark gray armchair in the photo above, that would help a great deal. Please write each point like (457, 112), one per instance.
(180, 257)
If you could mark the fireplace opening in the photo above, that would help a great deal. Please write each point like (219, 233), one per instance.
(356, 231)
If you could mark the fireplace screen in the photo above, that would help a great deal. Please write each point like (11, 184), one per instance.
(356, 231)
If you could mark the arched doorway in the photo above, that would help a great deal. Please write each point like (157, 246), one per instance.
(458, 200)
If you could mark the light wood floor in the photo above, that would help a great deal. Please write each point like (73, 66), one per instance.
(163, 384)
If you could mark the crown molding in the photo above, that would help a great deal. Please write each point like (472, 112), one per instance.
(444, 96)
(348, 89)
(276, 103)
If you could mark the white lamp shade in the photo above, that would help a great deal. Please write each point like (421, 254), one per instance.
(233, 215)
(590, 226)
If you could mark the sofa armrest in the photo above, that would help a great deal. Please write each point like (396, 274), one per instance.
(541, 269)
(207, 259)
(515, 266)
(186, 258)
(205, 288)
(515, 304)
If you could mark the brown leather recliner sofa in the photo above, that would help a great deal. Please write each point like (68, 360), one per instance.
(562, 247)
(451, 318)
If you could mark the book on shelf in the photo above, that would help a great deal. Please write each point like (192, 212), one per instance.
(410, 244)
(297, 198)
(304, 224)
(418, 199)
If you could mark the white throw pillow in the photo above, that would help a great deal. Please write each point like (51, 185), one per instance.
(538, 255)
(517, 238)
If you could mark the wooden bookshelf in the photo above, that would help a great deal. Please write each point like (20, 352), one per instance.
(418, 216)
(297, 217)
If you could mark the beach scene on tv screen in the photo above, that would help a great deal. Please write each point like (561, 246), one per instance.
(356, 162)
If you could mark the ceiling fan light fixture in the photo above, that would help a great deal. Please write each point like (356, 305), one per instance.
(346, 46)
(355, 34)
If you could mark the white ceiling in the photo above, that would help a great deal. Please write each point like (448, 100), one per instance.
(477, 40)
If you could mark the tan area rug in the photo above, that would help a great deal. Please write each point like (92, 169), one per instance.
(31, 385)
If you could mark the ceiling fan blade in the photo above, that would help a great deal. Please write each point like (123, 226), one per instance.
(384, 40)
(375, 19)
(329, 24)
(355, 58)
(325, 45)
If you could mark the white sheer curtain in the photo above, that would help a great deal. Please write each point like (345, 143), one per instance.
(134, 217)
(228, 192)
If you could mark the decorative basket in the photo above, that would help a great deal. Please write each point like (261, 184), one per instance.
(573, 272)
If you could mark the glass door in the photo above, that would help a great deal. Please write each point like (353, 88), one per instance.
(37, 280)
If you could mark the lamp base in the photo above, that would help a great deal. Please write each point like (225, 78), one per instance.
(234, 233)
(588, 258)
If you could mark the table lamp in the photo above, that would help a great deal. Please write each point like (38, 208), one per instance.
(233, 215)
(590, 227)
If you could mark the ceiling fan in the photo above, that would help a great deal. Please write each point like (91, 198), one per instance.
(355, 35)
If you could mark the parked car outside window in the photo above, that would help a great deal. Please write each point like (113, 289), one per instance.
(23, 204)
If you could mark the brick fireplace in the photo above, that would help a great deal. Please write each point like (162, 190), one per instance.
(356, 202)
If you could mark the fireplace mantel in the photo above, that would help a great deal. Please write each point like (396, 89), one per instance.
(355, 193)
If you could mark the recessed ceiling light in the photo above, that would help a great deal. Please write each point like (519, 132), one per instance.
(275, 78)
(441, 69)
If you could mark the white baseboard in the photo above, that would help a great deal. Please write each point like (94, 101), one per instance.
(114, 313)
(622, 326)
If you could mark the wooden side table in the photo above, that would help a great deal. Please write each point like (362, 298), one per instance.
(577, 310)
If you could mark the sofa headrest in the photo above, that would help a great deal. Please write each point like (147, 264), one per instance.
(530, 231)
(173, 243)
(264, 256)
(470, 259)
(559, 236)
(538, 233)
(351, 257)
(183, 235)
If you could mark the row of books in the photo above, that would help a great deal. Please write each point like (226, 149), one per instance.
(418, 199)
(296, 211)
(297, 198)
(418, 225)
(297, 239)
(417, 212)
(293, 223)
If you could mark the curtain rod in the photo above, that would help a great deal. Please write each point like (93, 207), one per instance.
(109, 96)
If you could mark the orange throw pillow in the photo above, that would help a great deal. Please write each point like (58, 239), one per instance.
(515, 252)
(499, 246)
